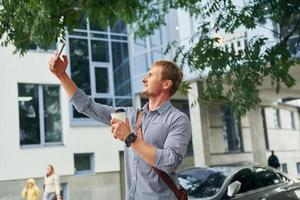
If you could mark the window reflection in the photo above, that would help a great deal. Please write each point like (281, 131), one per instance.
(32, 109)
(102, 80)
(52, 114)
(141, 64)
(108, 50)
(121, 70)
(124, 102)
(140, 45)
(201, 182)
(28, 114)
(100, 51)
(79, 62)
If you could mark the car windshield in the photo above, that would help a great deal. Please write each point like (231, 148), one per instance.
(204, 182)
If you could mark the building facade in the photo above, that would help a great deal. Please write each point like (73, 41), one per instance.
(40, 127)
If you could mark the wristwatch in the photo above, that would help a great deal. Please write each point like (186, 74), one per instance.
(130, 139)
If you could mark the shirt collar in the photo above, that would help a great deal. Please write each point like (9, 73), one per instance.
(165, 106)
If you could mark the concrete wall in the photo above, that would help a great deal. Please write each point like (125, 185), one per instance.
(93, 187)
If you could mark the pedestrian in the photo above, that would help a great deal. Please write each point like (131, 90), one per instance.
(30, 191)
(156, 137)
(273, 161)
(51, 185)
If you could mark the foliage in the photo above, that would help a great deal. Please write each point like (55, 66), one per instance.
(24, 22)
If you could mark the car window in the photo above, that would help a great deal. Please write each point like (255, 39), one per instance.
(246, 178)
(283, 178)
(201, 183)
(265, 177)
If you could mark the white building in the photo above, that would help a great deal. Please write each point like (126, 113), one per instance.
(39, 126)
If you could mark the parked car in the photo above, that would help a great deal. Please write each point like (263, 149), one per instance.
(239, 183)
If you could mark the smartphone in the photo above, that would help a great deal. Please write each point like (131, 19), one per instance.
(60, 51)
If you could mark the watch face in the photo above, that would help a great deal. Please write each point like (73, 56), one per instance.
(130, 138)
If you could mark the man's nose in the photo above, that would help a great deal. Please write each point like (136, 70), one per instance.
(144, 79)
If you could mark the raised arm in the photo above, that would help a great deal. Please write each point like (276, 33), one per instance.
(58, 67)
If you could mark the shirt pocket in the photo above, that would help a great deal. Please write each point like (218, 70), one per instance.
(156, 134)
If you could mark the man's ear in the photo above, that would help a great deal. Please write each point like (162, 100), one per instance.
(167, 84)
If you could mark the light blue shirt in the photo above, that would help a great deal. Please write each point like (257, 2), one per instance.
(166, 128)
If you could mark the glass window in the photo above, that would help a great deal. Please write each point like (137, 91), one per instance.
(298, 167)
(140, 45)
(141, 64)
(121, 70)
(284, 167)
(100, 51)
(246, 178)
(119, 27)
(277, 120)
(29, 118)
(79, 61)
(52, 114)
(97, 27)
(39, 118)
(156, 39)
(232, 129)
(90, 54)
(156, 55)
(123, 102)
(256, 178)
(293, 120)
(84, 163)
(102, 80)
(203, 182)
(265, 177)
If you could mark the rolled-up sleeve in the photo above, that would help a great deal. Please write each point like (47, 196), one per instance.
(170, 157)
(86, 105)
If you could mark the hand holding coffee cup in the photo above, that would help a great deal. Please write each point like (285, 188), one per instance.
(120, 114)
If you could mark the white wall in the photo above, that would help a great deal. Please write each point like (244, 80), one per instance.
(18, 162)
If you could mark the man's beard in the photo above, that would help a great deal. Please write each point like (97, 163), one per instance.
(145, 93)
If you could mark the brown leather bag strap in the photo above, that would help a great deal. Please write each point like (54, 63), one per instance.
(168, 181)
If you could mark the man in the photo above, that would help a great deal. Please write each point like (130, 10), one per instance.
(165, 134)
(273, 161)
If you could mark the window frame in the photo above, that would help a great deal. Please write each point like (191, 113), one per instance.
(293, 121)
(92, 164)
(93, 65)
(298, 167)
(41, 114)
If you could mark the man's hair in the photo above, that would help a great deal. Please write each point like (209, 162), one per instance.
(170, 72)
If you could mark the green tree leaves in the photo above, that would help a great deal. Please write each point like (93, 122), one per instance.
(233, 77)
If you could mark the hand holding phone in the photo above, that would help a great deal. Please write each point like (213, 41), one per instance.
(60, 51)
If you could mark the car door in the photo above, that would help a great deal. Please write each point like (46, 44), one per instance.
(264, 184)
(289, 189)
(247, 190)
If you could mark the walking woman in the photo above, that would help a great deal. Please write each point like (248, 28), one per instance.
(30, 191)
(51, 185)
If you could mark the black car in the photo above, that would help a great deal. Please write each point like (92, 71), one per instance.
(239, 183)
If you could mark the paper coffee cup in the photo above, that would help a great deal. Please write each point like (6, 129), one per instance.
(119, 115)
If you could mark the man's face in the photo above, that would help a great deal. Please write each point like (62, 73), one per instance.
(152, 82)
